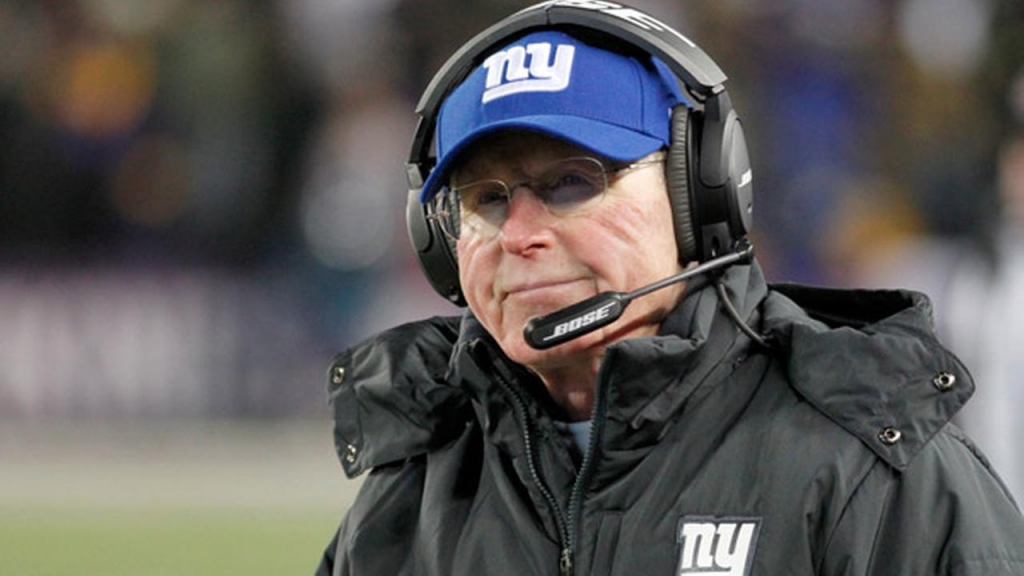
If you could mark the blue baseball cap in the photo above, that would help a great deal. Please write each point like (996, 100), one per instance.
(614, 105)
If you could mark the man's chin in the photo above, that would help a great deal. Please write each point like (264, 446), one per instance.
(561, 355)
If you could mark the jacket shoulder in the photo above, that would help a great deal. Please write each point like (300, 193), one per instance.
(869, 360)
(946, 513)
(389, 396)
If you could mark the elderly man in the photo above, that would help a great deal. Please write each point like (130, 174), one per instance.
(715, 425)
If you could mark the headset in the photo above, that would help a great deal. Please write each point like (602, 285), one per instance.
(707, 166)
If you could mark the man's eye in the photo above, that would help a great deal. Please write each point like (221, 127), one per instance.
(483, 196)
(570, 179)
(491, 196)
(570, 187)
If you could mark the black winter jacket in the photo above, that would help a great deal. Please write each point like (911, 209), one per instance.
(832, 453)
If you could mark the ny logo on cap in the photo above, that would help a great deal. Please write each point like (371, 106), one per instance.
(508, 72)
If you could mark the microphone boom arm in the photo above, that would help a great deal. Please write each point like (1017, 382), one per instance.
(602, 309)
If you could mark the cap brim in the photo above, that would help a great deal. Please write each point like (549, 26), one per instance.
(605, 140)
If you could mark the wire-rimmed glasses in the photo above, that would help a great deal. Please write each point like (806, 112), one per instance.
(567, 186)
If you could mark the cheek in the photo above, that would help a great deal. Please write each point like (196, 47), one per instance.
(477, 265)
(640, 250)
(634, 243)
(472, 265)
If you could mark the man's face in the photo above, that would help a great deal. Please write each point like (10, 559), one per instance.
(538, 262)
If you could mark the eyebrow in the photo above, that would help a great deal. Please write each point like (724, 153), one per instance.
(479, 167)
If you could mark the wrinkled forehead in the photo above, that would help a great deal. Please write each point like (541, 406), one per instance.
(514, 151)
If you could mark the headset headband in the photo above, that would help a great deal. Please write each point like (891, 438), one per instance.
(701, 76)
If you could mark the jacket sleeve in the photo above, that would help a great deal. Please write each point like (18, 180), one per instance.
(375, 535)
(326, 567)
(947, 513)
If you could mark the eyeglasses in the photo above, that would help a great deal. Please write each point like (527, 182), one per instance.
(565, 187)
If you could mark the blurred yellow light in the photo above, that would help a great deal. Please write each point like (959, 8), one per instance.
(105, 90)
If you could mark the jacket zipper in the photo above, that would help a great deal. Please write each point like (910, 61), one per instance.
(526, 425)
(586, 472)
(566, 526)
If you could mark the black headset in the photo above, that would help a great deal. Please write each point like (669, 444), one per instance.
(707, 168)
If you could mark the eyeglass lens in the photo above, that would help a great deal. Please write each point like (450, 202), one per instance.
(567, 186)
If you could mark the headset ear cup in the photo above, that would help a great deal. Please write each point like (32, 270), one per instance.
(434, 251)
(678, 172)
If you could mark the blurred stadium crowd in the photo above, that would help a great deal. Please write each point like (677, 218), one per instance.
(202, 200)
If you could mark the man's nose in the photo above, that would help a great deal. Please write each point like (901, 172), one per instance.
(526, 221)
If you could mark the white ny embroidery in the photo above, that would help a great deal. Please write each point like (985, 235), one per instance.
(508, 73)
(711, 547)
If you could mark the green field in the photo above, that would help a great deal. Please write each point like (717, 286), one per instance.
(160, 543)
(166, 500)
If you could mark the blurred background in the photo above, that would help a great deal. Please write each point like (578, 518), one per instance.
(201, 201)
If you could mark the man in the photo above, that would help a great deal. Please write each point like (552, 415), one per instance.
(718, 426)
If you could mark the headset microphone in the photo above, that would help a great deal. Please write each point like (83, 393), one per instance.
(584, 317)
